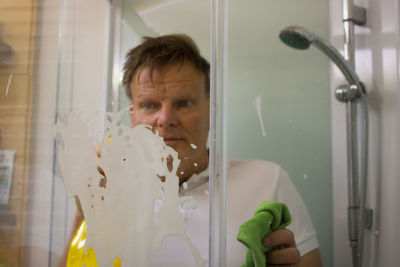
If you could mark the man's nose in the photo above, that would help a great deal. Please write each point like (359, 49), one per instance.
(167, 117)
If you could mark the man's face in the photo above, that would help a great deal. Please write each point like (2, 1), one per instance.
(174, 102)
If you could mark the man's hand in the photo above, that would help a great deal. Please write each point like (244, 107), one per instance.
(288, 255)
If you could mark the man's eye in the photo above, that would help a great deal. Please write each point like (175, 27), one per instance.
(185, 103)
(149, 106)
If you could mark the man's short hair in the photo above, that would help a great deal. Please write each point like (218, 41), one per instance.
(157, 52)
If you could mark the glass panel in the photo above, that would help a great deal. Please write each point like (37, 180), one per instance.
(137, 212)
(61, 61)
(66, 131)
(279, 112)
(141, 18)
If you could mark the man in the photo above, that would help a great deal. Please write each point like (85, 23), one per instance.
(168, 82)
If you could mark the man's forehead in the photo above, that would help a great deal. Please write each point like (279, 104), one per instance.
(145, 75)
(169, 73)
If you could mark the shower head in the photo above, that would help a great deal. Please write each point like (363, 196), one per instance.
(296, 37)
(301, 38)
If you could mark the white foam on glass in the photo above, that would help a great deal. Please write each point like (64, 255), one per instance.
(128, 210)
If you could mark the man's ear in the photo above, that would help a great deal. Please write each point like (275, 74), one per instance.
(131, 113)
(208, 112)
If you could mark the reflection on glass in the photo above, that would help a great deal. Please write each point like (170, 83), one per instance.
(17, 59)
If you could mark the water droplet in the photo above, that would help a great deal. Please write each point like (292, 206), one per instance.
(193, 146)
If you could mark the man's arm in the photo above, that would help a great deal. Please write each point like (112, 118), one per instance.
(311, 259)
(77, 222)
(289, 255)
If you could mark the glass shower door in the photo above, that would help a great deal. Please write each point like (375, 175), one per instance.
(136, 210)
(66, 131)
(80, 184)
(278, 112)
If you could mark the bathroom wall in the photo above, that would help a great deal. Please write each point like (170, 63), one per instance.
(377, 64)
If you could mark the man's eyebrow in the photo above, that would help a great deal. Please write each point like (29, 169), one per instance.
(145, 94)
(186, 94)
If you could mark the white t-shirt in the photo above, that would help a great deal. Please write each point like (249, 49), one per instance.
(249, 182)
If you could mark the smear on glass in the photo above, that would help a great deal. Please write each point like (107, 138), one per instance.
(257, 105)
(128, 210)
(9, 83)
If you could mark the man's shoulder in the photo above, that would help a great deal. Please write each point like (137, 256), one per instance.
(255, 172)
(254, 166)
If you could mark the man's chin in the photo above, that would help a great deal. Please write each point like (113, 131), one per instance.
(184, 150)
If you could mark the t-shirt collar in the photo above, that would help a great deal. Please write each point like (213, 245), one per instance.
(198, 179)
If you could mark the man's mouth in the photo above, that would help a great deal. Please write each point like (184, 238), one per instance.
(169, 141)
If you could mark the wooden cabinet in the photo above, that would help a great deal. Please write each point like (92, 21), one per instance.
(18, 30)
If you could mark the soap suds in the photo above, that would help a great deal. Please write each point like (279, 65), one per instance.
(115, 230)
(257, 105)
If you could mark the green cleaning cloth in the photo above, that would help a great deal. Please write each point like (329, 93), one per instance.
(269, 216)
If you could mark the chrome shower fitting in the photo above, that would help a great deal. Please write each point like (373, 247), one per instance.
(351, 93)
(300, 38)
